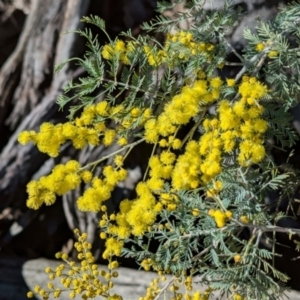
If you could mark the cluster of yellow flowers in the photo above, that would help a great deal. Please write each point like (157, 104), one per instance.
(155, 57)
(237, 258)
(239, 121)
(113, 245)
(80, 278)
(237, 296)
(86, 129)
(154, 290)
(189, 103)
(50, 137)
(177, 47)
(201, 162)
(135, 216)
(217, 187)
(187, 169)
(220, 217)
(181, 109)
(199, 296)
(62, 179)
(183, 45)
(271, 53)
(119, 49)
(100, 189)
(260, 47)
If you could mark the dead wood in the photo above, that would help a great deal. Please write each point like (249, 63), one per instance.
(9, 72)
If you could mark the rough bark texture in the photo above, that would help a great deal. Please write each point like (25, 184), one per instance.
(31, 44)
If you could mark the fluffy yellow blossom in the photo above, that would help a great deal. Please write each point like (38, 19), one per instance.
(154, 58)
(260, 125)
(49, 139)
(146, 115)
(69, 130)
(229, 140)
(258, 153)
(163, 143)
(195, 212)
(218, 185)
(252, 89)
(146, 264)
(186, 173)
(240, 109)
(238, 297)
(86, 176)
(155, 184)
(100, 127)
(88, 115)
(167, 157)
(119, 160)
(122, 174)
(151, 132)
(230, 82)
(228, 214)
(48, 197)
(109, 137)
(244, 219)
(216, 82)
(237, 258)
(176, 144)
(199, 296)
(220, 217)
(122, 141)
(273, 54)
(111, 175)
(211, 193)
(164, 125)
(93, 197)
(135, 112)
(30, 294)
(79, 142)
(119, 46)
(62, 179)
(102, 108)
(72, 166)
(107, 52)
(26, 137)
(259, 47)
(142, 214)
(229, 120)
(255, 111)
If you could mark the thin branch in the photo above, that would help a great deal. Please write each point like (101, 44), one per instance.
(164, 288)
(111, 154)
(270, 228)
